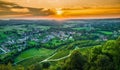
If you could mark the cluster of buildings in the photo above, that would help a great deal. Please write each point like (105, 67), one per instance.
(21, 42)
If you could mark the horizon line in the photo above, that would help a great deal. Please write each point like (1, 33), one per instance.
(54, 18)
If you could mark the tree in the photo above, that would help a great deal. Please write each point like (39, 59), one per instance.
(95, 51)
(75, 62)
(103, 62)
(112, 49)
(9, 66)
(37, 67)
(46, 65)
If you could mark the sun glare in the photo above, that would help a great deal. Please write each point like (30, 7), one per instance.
(59, 11)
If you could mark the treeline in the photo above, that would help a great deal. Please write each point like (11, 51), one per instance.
(28, 22)
(38, 66)
(105, 57)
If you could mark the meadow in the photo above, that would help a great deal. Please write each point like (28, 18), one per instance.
(33, 53)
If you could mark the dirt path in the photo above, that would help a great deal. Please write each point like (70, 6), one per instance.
(48, 59)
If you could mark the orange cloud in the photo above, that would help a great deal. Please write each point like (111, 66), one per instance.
(91, 11)
(1, 10)
(20, 10)
(14, 8)
(66, 3)
(15, 16)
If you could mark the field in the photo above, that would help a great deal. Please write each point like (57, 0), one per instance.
(60, 54)
(81, 28)
(106, 32)
(33, 52)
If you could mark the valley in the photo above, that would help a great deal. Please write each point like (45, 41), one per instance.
(31, 42)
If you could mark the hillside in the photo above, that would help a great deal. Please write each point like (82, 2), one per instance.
(60, 45)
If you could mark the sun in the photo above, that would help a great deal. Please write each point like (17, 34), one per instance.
(59, 11)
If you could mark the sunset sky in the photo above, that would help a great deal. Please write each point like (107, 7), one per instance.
(59, 8)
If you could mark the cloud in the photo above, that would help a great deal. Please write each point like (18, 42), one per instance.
(40, 11)
(91, 12)
(7, 8)
(21, 10)
(66, 3)
(11, 9)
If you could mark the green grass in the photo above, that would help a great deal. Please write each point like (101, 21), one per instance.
(81, 28)
(106, 32)
(84, 50)
(32, 61)
(33, 52)
(32, 43)
(41, 27)
(2, 36)
(60, 54)
(53, 43)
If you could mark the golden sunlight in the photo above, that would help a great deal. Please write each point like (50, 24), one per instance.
(59, 11)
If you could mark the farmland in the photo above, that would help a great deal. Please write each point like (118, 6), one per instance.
(37, 42)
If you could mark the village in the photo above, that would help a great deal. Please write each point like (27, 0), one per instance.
(36, 36)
